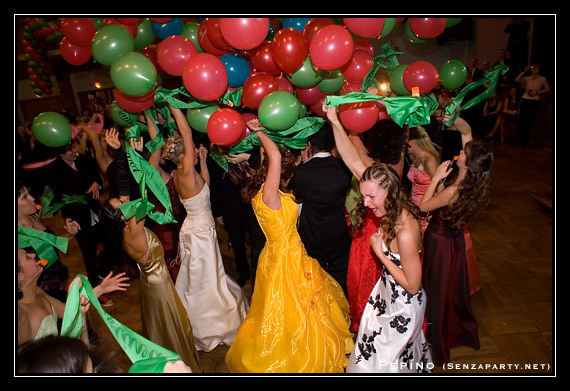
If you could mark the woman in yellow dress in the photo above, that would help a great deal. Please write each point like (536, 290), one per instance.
(298, 319)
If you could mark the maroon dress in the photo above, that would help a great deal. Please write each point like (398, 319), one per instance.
(445, 279)
(168, 234)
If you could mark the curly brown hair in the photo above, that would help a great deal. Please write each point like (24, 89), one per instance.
(254, 181)
(396, 200)
(475, 189)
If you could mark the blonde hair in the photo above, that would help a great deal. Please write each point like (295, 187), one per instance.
(419, 134)
(172, 149)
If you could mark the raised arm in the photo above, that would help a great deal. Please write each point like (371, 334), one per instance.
(463, 127)
(154, 158)
(344, 146)
(271, 196)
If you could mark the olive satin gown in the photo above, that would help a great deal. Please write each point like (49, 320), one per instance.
(164, 317)
(298, 319)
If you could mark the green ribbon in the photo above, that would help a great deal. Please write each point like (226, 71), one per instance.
(491, 78)
(146, 175)
(404, 110)
(147, 356)
(42, 242)
(386, 59)
(48, 196)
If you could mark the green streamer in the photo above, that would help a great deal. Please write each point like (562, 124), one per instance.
(147, 356)
(48, 196)
(404, 110)
(491, 78)
(146, 175)
(386, 59)
(42, 242)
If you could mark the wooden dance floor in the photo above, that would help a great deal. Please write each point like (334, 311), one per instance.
(514, 244)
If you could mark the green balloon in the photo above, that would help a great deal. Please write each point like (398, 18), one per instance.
(98, 22)
(133, 74)
(306, 76)
(198, 118)
(122, 117)
(332, 81)
(302, 110)
(279, 110)
(145, 35)
(396, 80)
(190, 31)
(452, 74)
(452, 21)
(51, 129)
(389, 24)
(110, 42)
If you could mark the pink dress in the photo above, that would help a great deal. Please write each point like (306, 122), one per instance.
(420, 182)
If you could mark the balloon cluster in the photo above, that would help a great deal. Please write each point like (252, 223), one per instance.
(283, 67)
(39, 34)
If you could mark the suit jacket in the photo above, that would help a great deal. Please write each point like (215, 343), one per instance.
(321, 185)
(65, 180)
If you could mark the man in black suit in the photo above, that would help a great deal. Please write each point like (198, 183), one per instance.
(321, 183)
(72, 174)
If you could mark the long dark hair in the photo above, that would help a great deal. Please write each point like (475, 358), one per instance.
(475, 189)
(396, 200)
(53, 354)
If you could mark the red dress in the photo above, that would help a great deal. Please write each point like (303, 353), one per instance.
(364, 269)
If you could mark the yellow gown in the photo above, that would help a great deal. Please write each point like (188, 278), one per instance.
(298, 319)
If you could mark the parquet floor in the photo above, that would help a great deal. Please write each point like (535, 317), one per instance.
(514, 245)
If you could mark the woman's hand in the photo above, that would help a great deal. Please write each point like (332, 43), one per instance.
(202, 153)
(71, 226)
(240, 157)
(332, 113)
(113, 283)
(136, 144)
(442, 171)
(254, 124)
(94, 190)
(112, 138)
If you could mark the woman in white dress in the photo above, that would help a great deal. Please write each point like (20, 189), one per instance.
(390, 336)
(215, 303)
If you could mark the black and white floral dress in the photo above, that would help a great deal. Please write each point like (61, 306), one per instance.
(390, 337)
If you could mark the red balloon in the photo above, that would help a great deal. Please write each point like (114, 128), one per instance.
(331, 47)
(348, 87)
(225, 127)
(261, 59)
(357, 67)
(134, 104)
(383, 113)
(150, 52)
(128, 20)
(131, 28)
(73, 54)
(317, 108)
(426, 28)
(204, 40)
(244, 33)
(420, 74)
(283, 84)
(205, 76)
(215, 34)
(313, 26)
(309, 95)
(289, 49)
(173, 52)
(257, 87)
(365, 27)
(161, 20)
(364, 44)
(358, 117)
(79, 31)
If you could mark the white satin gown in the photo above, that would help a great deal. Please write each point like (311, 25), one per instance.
(215, 303)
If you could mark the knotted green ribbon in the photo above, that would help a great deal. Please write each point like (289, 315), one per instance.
(386, 59)
(48, 196)
(42, 242)
(404, 110)
(146, 175)
(293, 138)
(146, 356)
(491, 78)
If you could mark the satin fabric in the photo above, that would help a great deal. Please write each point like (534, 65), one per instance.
(163, 315)
(390, 337)
(48, 325)
(445, 279)
(364, 268)
(298, 319)
(420, 181)
(215, 303)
